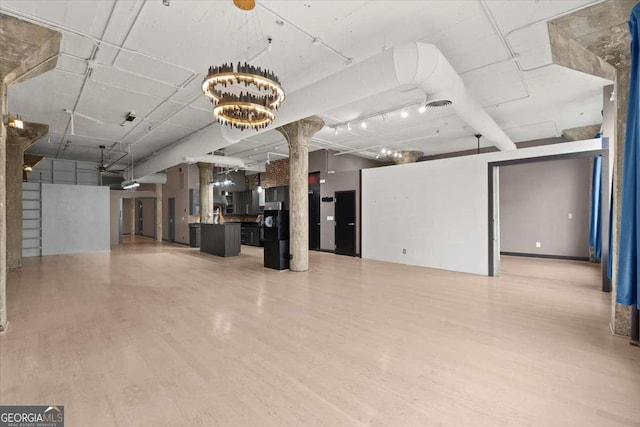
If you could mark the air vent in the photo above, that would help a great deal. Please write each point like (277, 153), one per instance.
(438, 104)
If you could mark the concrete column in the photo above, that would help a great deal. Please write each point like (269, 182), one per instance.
(159, 212)
(298, 134)
(206, 193)
(3, 211)
(27, 50)
(18, 140)
(595, 40)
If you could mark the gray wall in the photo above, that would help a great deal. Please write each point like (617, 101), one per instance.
(318, 162)
(177, 187)
(75, 219)
(126, 217)
(340, 173)
(535, 202)
(148, 216)
(339, 181)
(349, 162)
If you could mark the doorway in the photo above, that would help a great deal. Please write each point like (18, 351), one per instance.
(560, 238)
(140, 220)
(314, 211)
(172, 219)
(345, 223)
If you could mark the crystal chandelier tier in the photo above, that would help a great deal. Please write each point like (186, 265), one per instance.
(244, 96)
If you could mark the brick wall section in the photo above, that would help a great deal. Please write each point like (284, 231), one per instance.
(276, 175)
(251, 181)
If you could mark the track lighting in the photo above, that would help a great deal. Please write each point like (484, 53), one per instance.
(130, 185)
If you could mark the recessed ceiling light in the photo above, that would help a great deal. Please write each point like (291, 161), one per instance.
(335, 130)
(383, 151)
(404, 114)
(422, 109)
(363, 125)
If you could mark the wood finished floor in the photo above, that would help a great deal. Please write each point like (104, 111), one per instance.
(161, 335)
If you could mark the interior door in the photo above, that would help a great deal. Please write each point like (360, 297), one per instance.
(172, 219)
(314, 211)
(140, 216)
(345, 223)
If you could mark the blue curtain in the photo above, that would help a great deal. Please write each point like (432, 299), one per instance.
(628, 261)
(595, 241)
(611, 219)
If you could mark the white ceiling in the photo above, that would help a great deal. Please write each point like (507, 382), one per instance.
(141, 56)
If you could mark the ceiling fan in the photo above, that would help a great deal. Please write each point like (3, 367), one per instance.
(104, 169)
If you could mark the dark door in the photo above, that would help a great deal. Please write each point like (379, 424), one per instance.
(140, 216)
(346, 223)
(172, 219)
(314, 211)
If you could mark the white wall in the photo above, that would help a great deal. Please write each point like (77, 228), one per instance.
(75, 219)
(437, 210)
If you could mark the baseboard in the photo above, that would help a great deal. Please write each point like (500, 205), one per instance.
(565, 257)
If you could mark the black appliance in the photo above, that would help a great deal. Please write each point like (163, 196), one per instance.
(276, 225)
(276, 237)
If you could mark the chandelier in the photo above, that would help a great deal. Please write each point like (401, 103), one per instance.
(244, 97)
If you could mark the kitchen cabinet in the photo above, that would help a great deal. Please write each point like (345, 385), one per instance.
(194, 201)
(229, 209)
(220, 239)
(278, 194)
(250, 234)
(247, 202)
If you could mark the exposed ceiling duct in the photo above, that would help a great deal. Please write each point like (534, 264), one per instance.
(216, 160)
(154, 178)
(418, 64)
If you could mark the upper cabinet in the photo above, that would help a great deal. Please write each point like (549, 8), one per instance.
(248, 202)
(194, 201)
(278, 194)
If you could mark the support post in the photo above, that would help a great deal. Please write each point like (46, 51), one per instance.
(298, 135)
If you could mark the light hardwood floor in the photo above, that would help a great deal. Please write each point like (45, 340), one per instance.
(160, 335)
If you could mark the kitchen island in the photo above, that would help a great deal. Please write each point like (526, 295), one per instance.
(220, 239)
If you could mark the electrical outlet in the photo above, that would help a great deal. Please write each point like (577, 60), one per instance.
(404, 251)
(538, 245)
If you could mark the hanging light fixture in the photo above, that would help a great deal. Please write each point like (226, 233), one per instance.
(243, 96)
(15, 122)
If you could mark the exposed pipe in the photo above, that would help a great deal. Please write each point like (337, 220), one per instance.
(156, 178)
(215, 160)
(419, 64)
